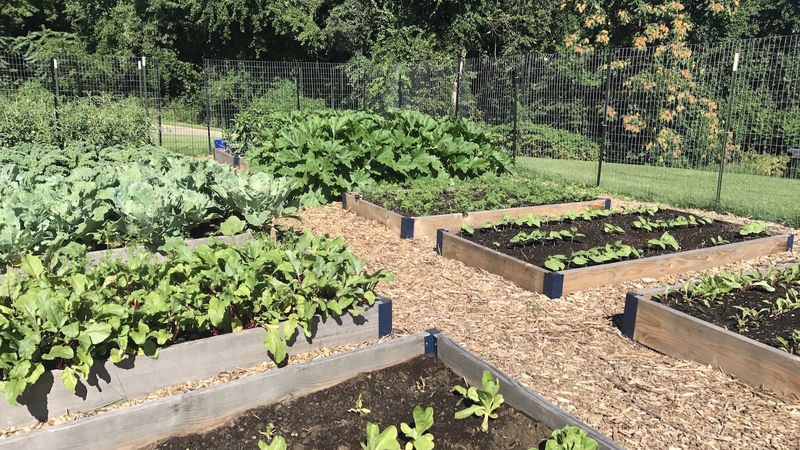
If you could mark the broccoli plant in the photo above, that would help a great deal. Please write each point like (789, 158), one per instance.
(417, 436)
(485, 400)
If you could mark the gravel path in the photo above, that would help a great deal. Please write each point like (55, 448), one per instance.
(569, 349)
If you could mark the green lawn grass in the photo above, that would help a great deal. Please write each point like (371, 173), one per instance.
(186, 145)
(760, 197)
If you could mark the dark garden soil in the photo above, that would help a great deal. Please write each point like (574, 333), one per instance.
(765, 329)
(321, 420)
(689, 238)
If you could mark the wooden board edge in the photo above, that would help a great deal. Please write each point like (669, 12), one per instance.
(111, 380)
(789, 364)
(446, 242)
(471, 366)
(364, 208)
(572, 276)
(206, 408)
(478, 218)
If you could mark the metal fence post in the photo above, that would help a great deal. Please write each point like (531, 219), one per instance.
(604, 130)
(723, 151)
(297, 76)
(208, 106)
(158, 98)
(458, 83)
(399, 87)
(143, 89)
(515, 130)
(54, 79)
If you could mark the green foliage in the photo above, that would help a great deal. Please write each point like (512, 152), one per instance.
(65, 315)
(570, 438)
(754, 229)
(424, 197)
(28, 116)
(69, 200)
(485, 401)
(381, 440)
(327, 153)
(417, 436)
(359, 408)
(666, 240)
(544, 141)
(754, 163)
(282, 96)
(597, 255)
(278, 443)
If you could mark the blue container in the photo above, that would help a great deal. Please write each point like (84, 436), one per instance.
(220, 144)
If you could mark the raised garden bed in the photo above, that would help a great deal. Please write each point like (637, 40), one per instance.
(189, 361)
(593, 247)
(223, 156)
(411, 378)
(409, 227)
(747, 325)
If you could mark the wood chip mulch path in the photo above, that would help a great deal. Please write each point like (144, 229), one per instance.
(569, 349)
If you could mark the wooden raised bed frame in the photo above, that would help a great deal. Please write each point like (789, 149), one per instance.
(680, 335)
(556, 284)
(408, 227)
(209, 407)
(181, 363)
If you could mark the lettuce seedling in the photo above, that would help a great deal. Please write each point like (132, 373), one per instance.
(611, 228)
(665, 240)
(754, 229)
(423, 421)
(381, 440)
(277, 444)
(570, 438)
(359, 409)
(485, 400)
(466, 228)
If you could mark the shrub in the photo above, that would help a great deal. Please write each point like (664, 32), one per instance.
(754, 163)
(329, 152)
(282, 97)
(544, 141)
(27, 115)
(104, 121)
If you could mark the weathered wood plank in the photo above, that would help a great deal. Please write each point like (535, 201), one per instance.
(178, 364)
(209, 407)
(427, 226)
(471, 367)
(680, 335)
(525, 275)
(703, 258)
(363, 208)
(479, 218)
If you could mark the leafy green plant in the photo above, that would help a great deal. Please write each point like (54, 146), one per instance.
(418, 437)
(326, 153)
(556, 262)
(381, 440)
(754, 229)
(278, 443)
(612, 229)
(570, 438)
(719, 241)
(747, 315)
(485, 401)
(666, 240)
(466, 228)
(66, 315)
(359, 408)
(792, 344)
(42, 208)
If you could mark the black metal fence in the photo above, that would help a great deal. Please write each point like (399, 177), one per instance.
(590, 116)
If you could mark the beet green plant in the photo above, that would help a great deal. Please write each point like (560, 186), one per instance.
(381, 440)
(485, 400)
(570, 438)
(67, 316)
(418, 437)
(792, 344)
